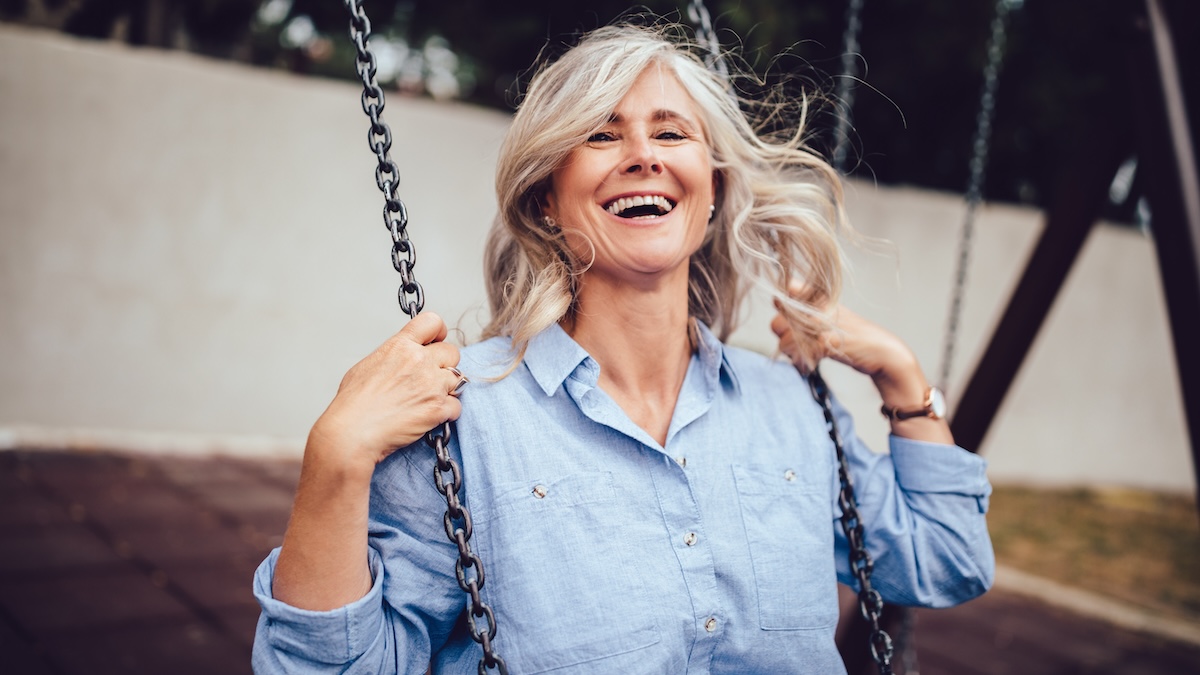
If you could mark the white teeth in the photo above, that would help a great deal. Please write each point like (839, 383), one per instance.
(624, 203)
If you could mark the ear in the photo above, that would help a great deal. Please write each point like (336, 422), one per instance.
(549, 201)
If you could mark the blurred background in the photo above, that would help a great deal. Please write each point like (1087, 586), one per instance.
(192, 254)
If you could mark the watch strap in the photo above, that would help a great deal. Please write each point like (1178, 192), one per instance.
(926, 410)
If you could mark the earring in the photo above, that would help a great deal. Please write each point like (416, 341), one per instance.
(712, 211)
(549, 222)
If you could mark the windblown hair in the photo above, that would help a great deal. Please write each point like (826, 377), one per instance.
(778, 205)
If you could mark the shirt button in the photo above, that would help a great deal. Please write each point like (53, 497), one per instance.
(539, 491)
(689, 538)
(682, 461)
(789, 475)
(710, 625)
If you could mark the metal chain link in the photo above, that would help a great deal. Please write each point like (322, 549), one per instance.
(870, 603)
(446, 475)
(849, 77)
(979, 158)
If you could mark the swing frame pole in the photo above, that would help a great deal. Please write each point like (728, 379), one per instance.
(1168, 144)
(1165, 145)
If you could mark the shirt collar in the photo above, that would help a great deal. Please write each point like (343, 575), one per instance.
(553, 356)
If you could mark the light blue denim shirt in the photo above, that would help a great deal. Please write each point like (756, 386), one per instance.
(608, 553)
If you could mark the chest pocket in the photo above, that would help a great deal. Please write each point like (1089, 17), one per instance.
(562, 578)
(788, 518)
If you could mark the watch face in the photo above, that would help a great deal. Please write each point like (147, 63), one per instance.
(937, 402)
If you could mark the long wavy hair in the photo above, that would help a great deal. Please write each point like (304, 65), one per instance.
(778, 205)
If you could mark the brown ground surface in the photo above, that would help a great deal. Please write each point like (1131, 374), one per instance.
(1136, 546)
(142, 564)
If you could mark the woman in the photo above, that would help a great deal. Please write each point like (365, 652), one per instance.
(645, 498)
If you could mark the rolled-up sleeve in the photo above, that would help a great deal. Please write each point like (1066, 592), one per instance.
(923, 509)
(292, 640)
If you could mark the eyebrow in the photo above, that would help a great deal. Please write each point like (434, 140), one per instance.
(661, 115)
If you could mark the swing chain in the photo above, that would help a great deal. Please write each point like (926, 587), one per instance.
(870, 603)
(387, 177)
(457, 522)
(980, 148)
(845, 88)
(446, 475)
(707, 37)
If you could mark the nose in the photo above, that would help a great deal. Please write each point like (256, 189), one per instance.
(643, 157)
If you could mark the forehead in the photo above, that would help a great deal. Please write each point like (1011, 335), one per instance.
(657, 93)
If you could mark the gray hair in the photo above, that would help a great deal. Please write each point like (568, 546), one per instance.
(778, 205)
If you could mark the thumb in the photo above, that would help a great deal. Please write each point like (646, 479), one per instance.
(425, 328)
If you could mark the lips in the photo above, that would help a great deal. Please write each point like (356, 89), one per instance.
(640, 206)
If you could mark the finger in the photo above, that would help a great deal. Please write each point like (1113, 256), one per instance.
(801, 358)
(425, 328)
(442, 354)
(453, 409)
(807, 294)
(780, 325)
(455, 381)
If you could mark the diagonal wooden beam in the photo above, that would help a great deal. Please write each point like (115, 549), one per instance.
(1078, 200)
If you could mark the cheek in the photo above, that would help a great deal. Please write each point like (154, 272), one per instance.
(704, 178)
(579, 245)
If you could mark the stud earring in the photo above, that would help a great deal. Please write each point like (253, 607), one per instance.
(549, 222)
(712, 211)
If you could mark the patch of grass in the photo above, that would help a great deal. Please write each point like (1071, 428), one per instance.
(1136, 546)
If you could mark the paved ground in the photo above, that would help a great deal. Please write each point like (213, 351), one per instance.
(142, 564)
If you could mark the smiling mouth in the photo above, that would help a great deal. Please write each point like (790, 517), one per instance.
(640, 206)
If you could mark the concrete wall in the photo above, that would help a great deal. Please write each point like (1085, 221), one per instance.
(191, 255)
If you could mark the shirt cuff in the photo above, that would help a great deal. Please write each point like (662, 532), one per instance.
(334, 637)
(922, 466)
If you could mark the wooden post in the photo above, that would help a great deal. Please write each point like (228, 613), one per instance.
(1167, 155)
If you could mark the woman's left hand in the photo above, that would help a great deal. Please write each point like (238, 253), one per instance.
(861, 344)
(874, 351)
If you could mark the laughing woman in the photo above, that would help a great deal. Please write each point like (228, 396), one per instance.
(646, 499)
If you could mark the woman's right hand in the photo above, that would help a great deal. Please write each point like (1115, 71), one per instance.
(392, 397)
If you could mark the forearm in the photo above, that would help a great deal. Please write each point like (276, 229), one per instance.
(902, 386)
(359, 593)
(323, 561)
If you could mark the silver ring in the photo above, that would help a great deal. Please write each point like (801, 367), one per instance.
(462, 381)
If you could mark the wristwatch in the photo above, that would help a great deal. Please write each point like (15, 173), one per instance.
(934, 407)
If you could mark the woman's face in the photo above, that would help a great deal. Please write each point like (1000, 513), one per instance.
(640, 189)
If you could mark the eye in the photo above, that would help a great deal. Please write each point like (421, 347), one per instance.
(670, 135)
(601, 137)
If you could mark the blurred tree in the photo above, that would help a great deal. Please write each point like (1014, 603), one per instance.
(215, 27)
(914, 110)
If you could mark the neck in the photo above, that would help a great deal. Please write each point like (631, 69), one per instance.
(640, 337)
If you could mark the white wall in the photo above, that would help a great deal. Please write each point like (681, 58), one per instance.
(192, 253)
